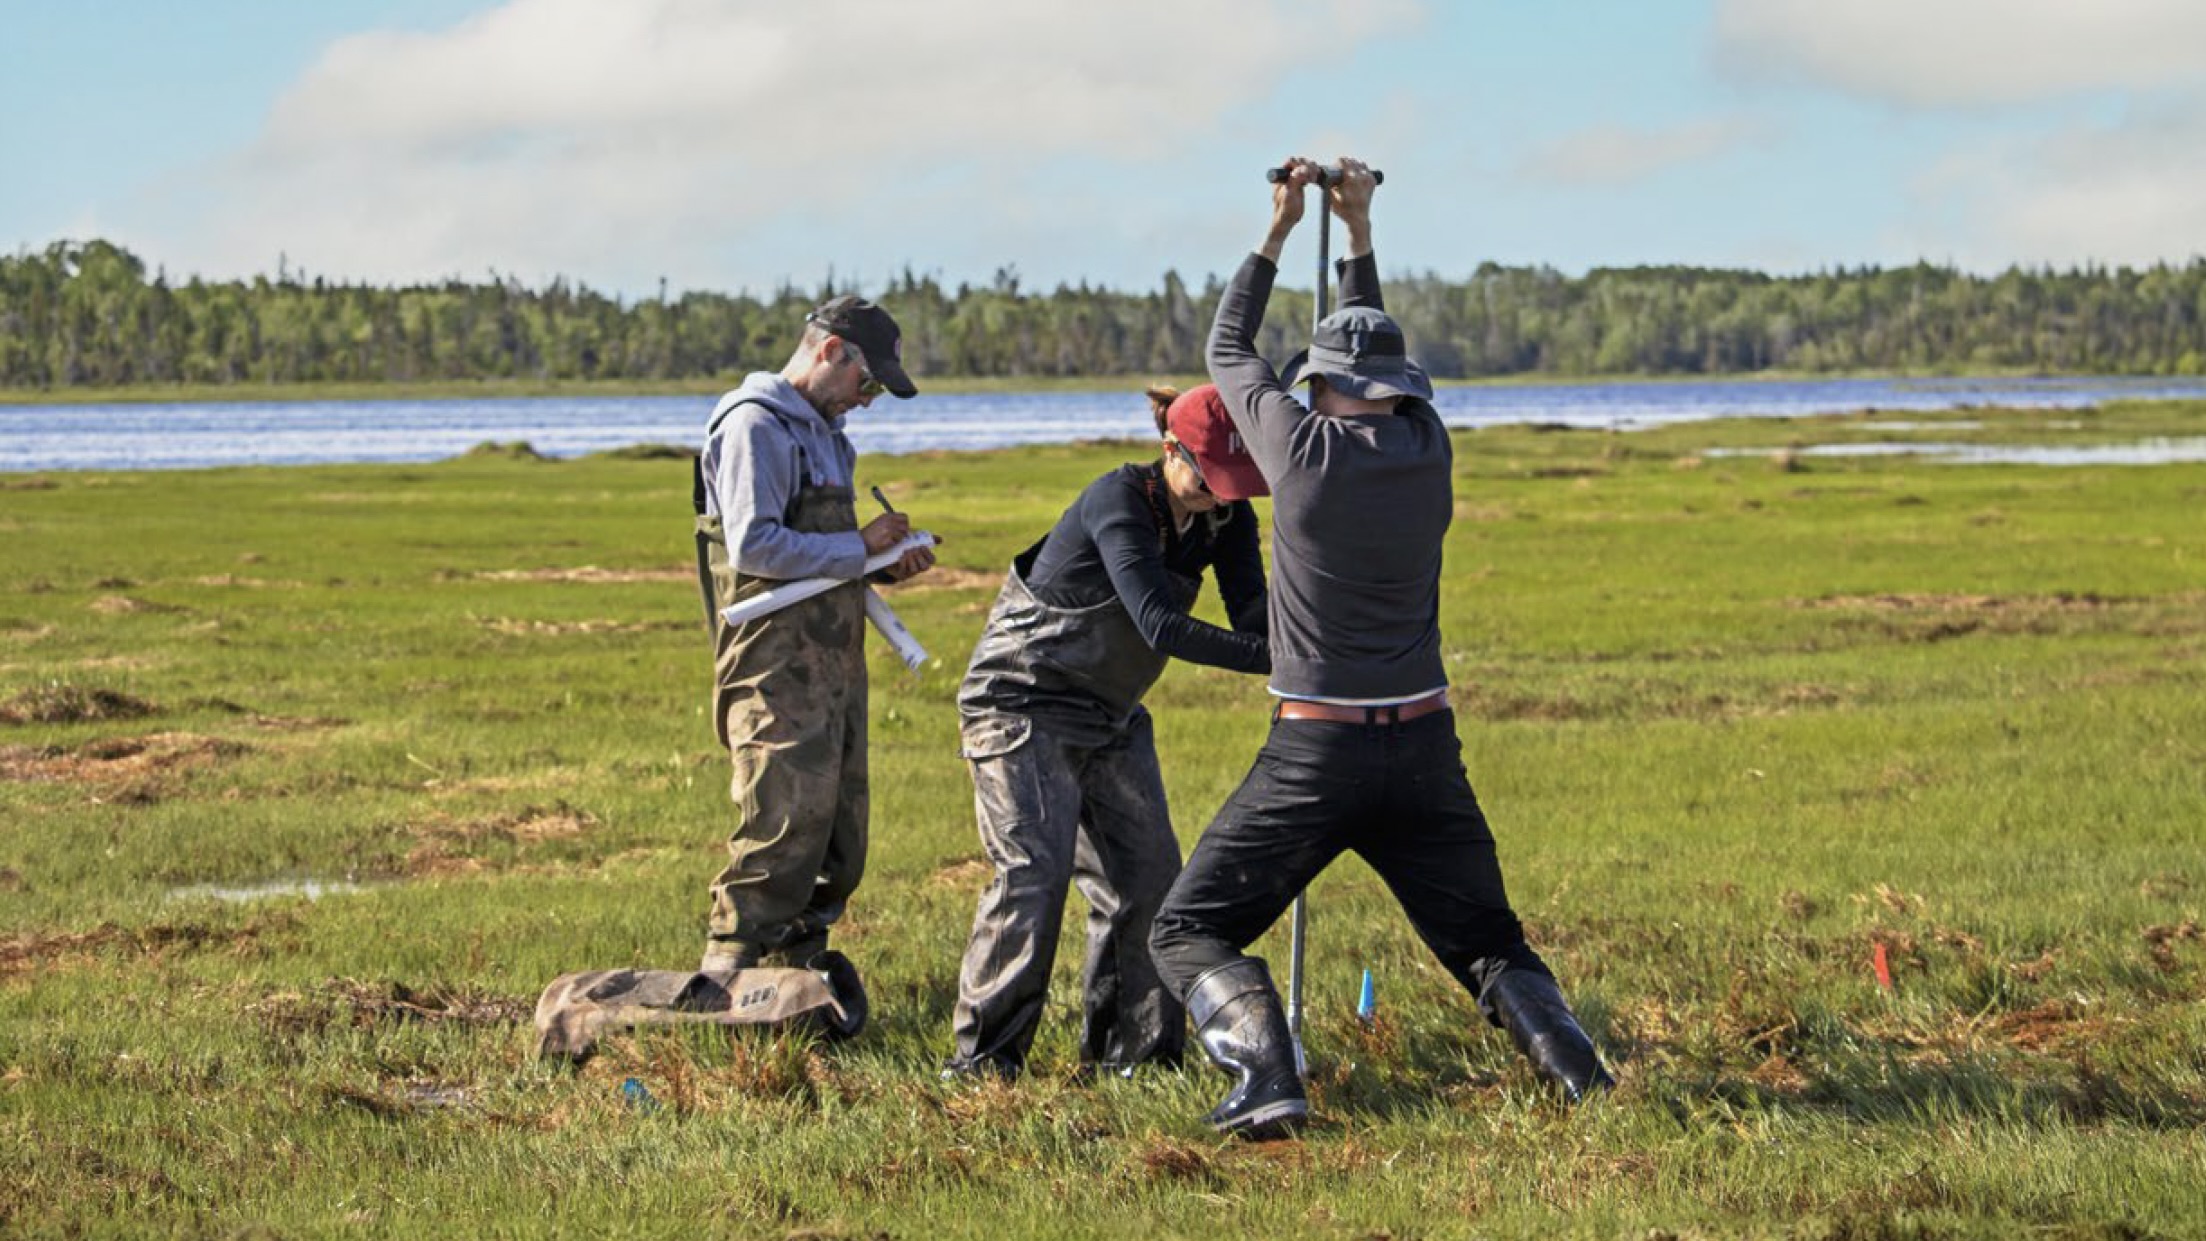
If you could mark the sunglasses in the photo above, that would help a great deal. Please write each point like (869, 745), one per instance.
(1180, 450)
(868, 386)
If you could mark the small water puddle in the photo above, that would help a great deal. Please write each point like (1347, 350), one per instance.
(271, 889)
(2169, 451)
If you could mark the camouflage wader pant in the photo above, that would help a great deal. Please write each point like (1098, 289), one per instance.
(789, 703)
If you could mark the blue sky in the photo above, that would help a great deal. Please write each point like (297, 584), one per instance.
(732, 144)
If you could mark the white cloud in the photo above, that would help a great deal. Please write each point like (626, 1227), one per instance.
(1945, 53)
(701, 138)
(1608, 156)
(2133, 193)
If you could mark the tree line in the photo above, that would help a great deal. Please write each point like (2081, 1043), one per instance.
(90, 314)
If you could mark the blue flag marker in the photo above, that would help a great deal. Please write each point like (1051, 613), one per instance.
(1367, 1004)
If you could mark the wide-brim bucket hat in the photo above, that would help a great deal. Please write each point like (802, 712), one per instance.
(1362, 353)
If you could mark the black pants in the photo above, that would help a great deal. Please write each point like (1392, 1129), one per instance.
(1394, 794)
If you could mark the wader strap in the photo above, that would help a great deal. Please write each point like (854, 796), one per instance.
(708, 527)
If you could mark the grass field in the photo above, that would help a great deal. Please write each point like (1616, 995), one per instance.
(1744, 725)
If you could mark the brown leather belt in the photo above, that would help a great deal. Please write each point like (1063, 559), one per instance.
(1337, 713)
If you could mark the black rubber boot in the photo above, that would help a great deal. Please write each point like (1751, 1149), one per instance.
(1240, 1024)
(1530, 1006)
(850, 992)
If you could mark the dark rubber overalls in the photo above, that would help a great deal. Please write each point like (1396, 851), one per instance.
(1067, 791)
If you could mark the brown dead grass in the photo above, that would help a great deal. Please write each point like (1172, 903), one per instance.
(246, 583)
(24, 953)
(1942, 617)
(1624, 701)
(1169, 1159)
(125, 605)
(965, 875)
(514, 627)
(2167, 886)
(2059, 602)
(295, 723)
(2053, 1028)
(357, 1004)
(449, 846)
(71, 704)
(2163, 940)
(118, 770)
(589, 574)
(1936, 617)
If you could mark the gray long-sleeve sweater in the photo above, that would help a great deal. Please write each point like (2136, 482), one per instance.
(1360, 506)
(751, 464)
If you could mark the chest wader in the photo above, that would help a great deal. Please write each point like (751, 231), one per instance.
(1066, 791)
(577, 1011)
(789, 703)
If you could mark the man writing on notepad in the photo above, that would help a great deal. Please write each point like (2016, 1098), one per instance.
(776, 502)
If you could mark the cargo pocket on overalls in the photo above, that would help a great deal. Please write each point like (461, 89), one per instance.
(994, 736)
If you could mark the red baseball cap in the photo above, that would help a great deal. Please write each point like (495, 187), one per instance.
(1197, 418)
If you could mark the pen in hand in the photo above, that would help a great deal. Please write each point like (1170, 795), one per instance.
(886, 507)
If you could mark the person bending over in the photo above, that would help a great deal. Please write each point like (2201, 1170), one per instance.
(1063, 757)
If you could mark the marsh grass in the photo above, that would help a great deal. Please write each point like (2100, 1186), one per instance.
(1742, 724)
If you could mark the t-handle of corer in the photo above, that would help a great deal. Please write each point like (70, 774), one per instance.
(1326, 176)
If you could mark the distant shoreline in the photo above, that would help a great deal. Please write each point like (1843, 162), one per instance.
(505, 389)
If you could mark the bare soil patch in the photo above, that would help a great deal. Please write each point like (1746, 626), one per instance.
(1938, 617)
(589, 574)
(516, 627)
(24, 953)
(449, 846)
(247, 583)
(357, 1004)
(125, 605)
(295, 723)
(1640, 702)
(107, 760)
(119, 771)
(71, 704)
(2164, 939)
(2062, 601)
(2052, 1027)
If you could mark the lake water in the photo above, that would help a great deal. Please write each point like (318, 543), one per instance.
(178, 436)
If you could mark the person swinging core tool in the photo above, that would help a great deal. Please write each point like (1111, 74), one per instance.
(1362, 753)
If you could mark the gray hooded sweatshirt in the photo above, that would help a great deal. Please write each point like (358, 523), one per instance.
(765, 442)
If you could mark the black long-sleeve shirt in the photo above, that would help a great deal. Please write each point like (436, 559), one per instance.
(1360, 508)
(1118, 540)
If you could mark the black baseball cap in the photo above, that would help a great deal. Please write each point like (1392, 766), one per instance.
(871, 329)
